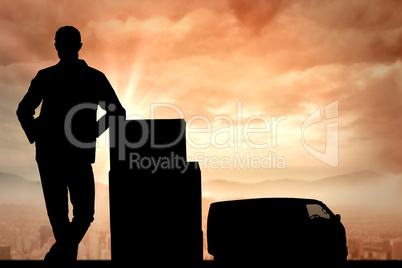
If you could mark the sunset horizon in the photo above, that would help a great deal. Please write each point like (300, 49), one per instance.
(270, 90)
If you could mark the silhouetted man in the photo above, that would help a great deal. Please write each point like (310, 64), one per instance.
(65, 133)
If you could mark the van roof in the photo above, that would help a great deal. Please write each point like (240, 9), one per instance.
(271, 200)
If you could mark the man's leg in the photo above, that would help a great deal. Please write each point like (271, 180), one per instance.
(56, 198)
(82, 196)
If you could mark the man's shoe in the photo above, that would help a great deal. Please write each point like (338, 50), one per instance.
(62, 252)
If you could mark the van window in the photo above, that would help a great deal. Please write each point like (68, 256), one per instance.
(315, 210)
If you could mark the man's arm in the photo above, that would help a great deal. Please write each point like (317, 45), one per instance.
(26, 109)
(111, 104)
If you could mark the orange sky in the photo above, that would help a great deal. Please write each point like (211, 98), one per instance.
(207, 58)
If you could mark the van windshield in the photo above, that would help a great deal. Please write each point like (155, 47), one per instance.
(317, 211)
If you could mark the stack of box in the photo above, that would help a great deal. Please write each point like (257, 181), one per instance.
(155, 194)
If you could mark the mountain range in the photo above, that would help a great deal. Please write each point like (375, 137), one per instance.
(18, 194)
(362, 189)
(15, 189)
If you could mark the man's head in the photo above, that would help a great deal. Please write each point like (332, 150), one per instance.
(68, 43)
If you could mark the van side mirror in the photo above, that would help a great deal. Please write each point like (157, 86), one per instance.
(338, 217)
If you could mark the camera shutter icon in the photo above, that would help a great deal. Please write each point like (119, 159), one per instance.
(331, 154)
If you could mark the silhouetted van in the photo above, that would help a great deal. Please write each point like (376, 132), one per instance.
(275, 229)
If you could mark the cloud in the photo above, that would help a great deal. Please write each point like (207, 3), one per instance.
(255, 14)
(276, 57)
(377, 105)
(361, 14)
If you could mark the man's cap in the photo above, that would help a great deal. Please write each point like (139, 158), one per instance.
(68, 34)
